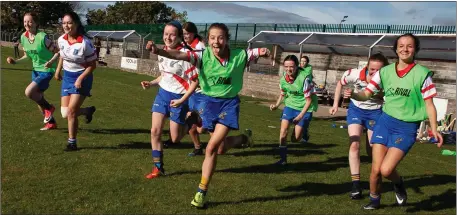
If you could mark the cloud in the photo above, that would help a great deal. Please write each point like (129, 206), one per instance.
(440, 20)
(244, 13)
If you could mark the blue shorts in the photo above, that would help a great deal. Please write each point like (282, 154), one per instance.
(162, 105)
(392, 132)
(195, 102)
(289, 114)
(219, 110)
(42, 79)
(359, 116)
(68, 84)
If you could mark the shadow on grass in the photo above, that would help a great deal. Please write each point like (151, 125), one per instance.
(18, 69)
(308, 145)
(330, 118)
(442, 201)
(302, 167)
(118, 131)
(270, 152)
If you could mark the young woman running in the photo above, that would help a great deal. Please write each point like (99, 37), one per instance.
(408, 90)
(221, 79)
(297, 90)
(195, 41)
(174, 81)
(360, 114)
(77, 59)
(43, 53)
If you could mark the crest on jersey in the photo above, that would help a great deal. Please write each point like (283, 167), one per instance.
(371, 123)
(398, 140)
(200, 111)
(75, 52)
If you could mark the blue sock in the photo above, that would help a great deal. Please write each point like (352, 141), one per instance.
(71, 141)
(374, 197)
(157, 157)
(283, 152)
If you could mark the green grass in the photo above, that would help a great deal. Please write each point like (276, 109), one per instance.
(107, 175)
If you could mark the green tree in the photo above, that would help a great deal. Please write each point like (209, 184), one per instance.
(48, 13)
(151, 12)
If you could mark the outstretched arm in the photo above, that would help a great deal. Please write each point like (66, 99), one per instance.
(172, 54)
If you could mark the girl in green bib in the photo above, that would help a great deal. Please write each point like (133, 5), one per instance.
(43, 53)
(408, 91)
(221, 79)
(297, 90)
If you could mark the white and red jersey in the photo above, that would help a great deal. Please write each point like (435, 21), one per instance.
(176, 74)
(428, 89)
(358, 78)
(76, 56)
(197, 45)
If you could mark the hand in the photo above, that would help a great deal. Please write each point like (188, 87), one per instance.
(47, 64)
(347, 93)
(264, 52)
(273, 107)
(78, 83)
(57, 76)
(298, 118)
(10, 60)
(146, 84)
(151, 47)
(438, 137)
(176, 103)
(333, 110)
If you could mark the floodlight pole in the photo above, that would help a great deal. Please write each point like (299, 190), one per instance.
(343, 20)
(371, 47)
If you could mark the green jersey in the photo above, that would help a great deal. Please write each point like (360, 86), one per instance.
(403, 95)
(38, 52)
(296, 91)
(221, 81)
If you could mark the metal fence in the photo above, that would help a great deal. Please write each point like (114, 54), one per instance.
(244, 31)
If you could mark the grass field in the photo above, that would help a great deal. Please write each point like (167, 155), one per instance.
(107, 175)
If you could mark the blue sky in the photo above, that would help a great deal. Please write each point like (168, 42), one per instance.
(415, 13)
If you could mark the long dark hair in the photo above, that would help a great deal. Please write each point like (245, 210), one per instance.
(35, 19)
(292, 58)
(379, 57)
(178, 25)
(417, 44)
(75, 18)
(192, 28)
(221, 26)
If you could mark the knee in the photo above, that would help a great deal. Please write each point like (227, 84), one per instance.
(386, 171)
(28, 93)
(193, 130)
(64, 112)
(155, 132)
(71, 112)
(211, 150)
(354, 148)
